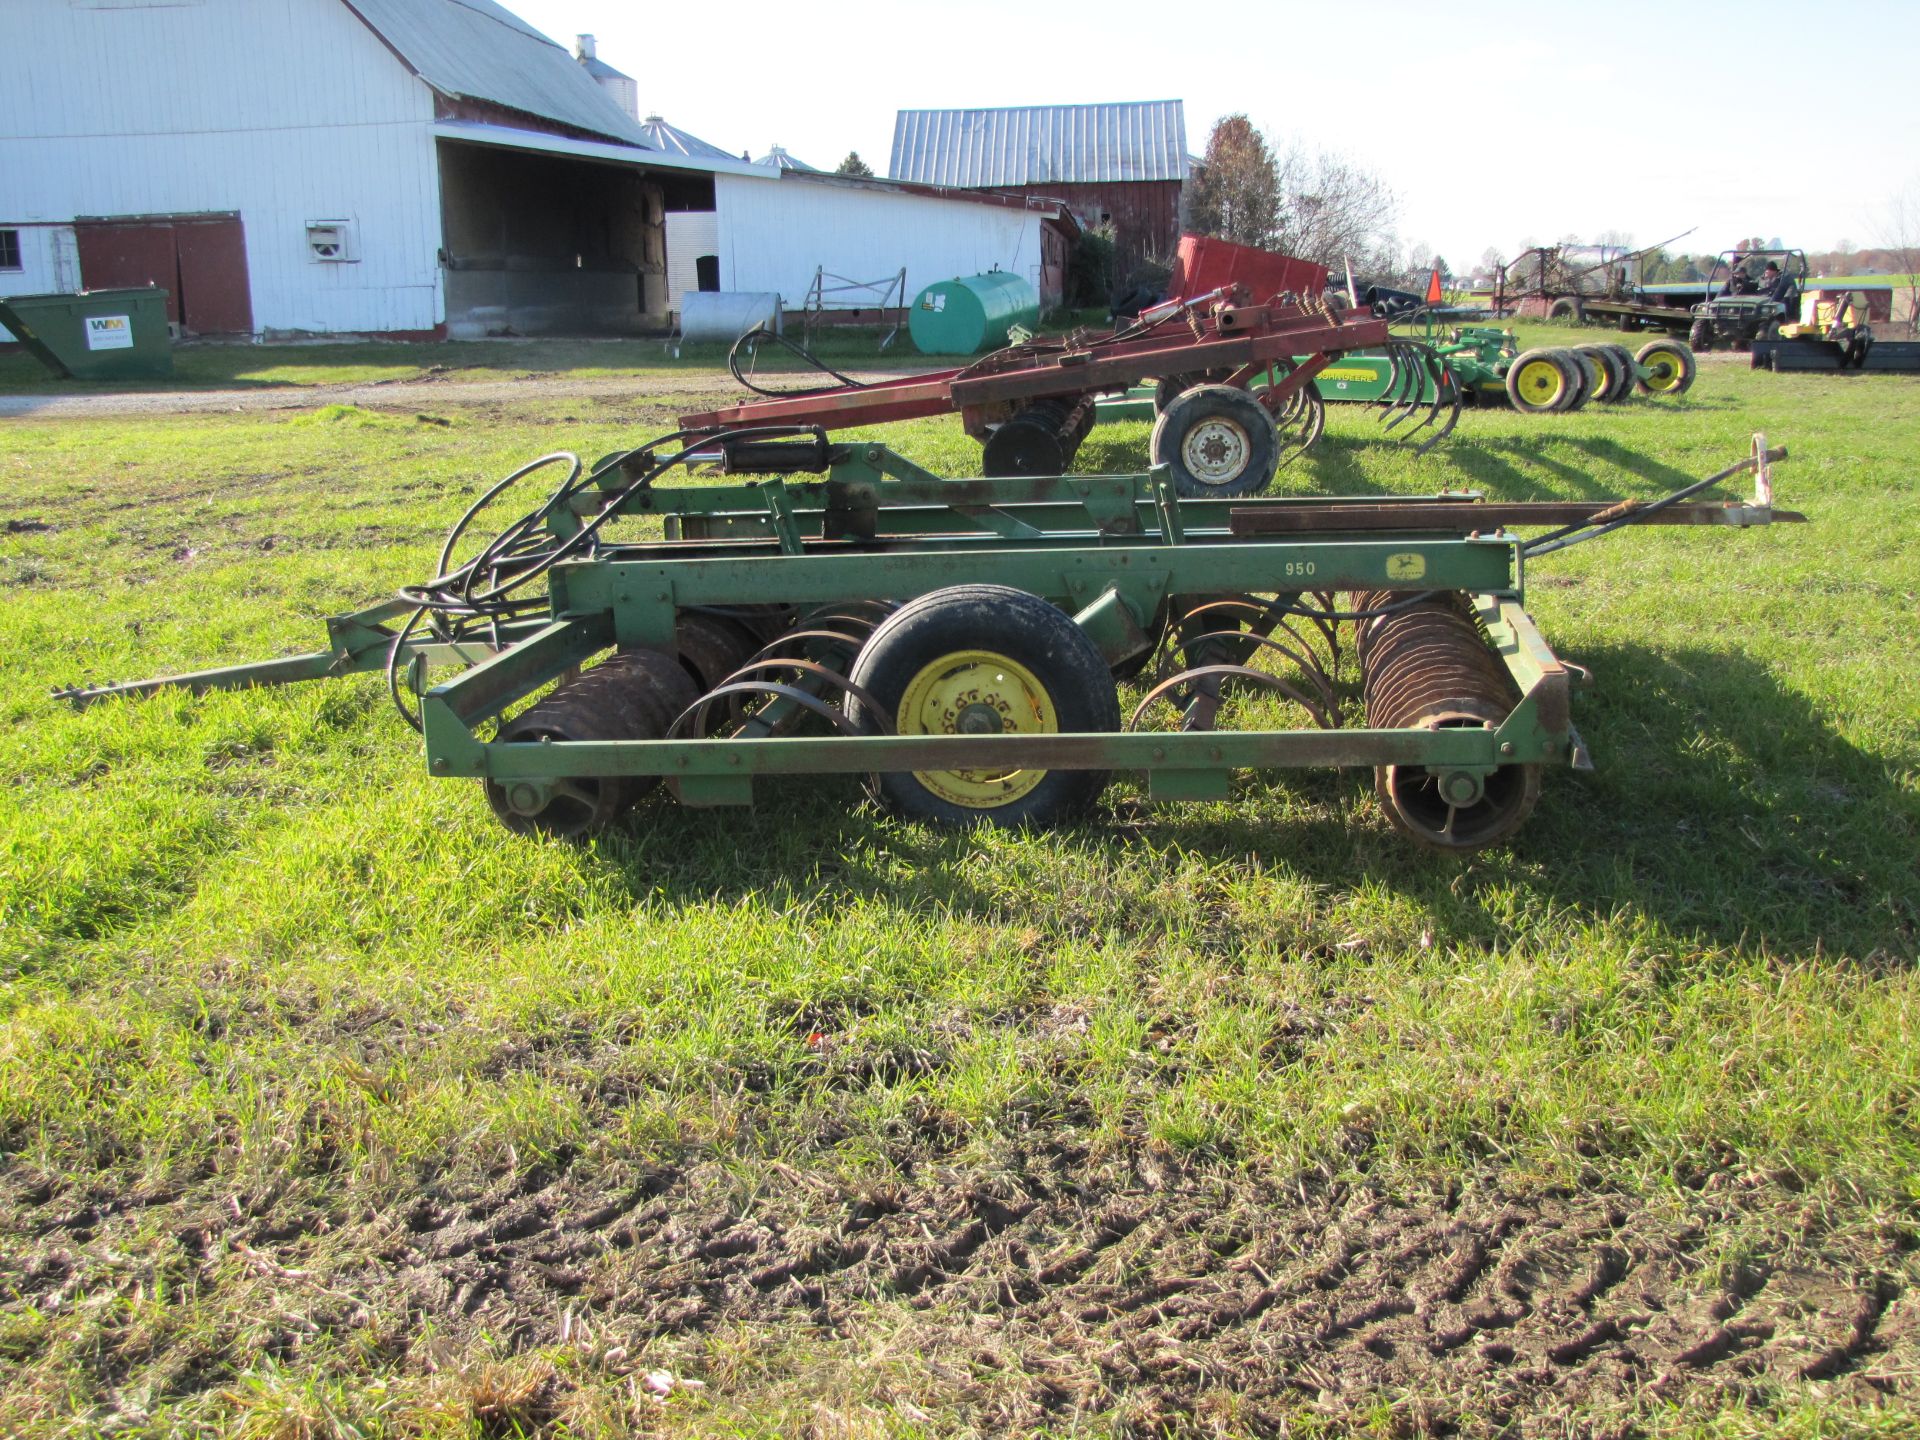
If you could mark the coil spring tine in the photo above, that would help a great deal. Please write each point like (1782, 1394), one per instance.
(1314, 674)
(1453, 414)
(822, 674)
(1204, 673)
(1271, 615)
(1408, 400)
(827, 711)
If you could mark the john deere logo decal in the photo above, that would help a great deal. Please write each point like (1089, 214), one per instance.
(1407, 565)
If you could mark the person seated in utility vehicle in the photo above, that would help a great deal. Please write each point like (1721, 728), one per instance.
(1775, 284)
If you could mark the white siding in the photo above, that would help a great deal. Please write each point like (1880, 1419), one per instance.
(774, 233)
(690, 234)
(48, 264)
(282, 110)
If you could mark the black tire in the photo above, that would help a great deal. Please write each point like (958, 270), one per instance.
(633, 695)
(999, 630)
(1569, 309)
(1220, 442)
(1623, 387)
(1700, 336)
(1528, 387)
(1169, 388)
(1586, 379)
(1672, 365)
(1605, 365)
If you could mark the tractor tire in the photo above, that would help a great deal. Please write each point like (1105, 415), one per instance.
(984, 659)
(633, 695)
(1700, 336)
(1670, 365)
(1569, 309)
(1220, 442)
(1539, 382)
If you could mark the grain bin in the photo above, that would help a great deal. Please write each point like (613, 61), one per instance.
(971, 313)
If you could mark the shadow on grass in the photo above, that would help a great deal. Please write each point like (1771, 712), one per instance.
(1723, 807)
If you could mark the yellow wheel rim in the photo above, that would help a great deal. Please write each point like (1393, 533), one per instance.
(1663, 371)
(977, 692)
(1602, 373)
(1540, 382)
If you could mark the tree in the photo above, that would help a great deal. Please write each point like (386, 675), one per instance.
(1330, 208)
(1235, 194)
(854, 165)
(1440, 263)
(1900, 239)
(1490, 261)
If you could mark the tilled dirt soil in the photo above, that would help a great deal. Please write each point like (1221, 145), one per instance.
(1056, 1286)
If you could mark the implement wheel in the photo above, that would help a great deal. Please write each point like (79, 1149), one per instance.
(1540, 382)
(1625, 375)
(1569, 309)
(1669, 366)
(1586, 378)
(1605, 364)
(633, 695)
(1221, 443)
(985, 660)
(1169, 388)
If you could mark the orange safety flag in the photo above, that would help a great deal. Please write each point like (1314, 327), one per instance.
(1433, 287)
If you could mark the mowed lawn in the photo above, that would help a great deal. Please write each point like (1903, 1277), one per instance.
(329, 1108)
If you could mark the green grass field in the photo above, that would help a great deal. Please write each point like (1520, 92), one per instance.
(329, 1109)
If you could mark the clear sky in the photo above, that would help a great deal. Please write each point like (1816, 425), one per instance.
(1492, 124)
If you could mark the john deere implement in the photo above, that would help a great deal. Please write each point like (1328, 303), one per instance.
(960, 641)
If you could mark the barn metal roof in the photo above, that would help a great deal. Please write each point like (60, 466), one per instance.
(477, 50)
(1042, 144)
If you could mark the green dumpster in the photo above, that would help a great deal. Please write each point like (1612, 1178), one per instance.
(95, 335)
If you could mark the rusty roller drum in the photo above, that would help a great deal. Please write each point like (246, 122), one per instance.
(1428, 666)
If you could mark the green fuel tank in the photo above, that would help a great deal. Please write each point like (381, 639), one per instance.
(971, 313)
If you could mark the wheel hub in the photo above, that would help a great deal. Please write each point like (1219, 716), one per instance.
(977, 692)
(1216, 451)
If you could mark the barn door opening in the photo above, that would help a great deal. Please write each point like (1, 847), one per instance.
(706, 269)
(200, 260)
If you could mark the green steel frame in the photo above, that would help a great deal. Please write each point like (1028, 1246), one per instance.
(1107, 549)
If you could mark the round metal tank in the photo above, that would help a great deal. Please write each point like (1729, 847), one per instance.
(726, 315)
(971, 313)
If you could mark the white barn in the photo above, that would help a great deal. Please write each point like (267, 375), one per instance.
(411, 168)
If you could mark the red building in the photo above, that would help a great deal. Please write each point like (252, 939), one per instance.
(1123, 163)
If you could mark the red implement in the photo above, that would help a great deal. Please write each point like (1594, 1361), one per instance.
(1260, 322)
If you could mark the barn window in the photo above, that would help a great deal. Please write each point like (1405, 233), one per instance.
(10, 250)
